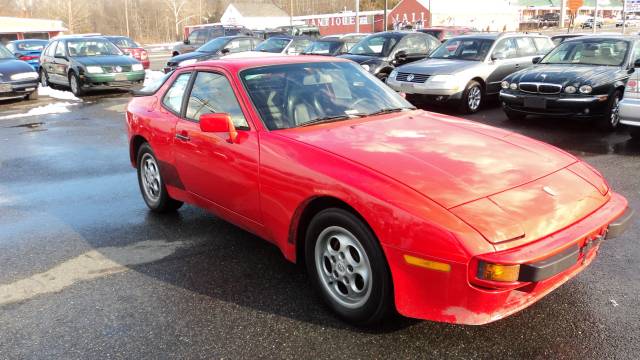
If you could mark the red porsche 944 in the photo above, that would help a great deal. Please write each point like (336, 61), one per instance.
(391, 208)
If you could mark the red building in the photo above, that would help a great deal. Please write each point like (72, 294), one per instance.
(344, 23)
(414, 13)
(12, 28)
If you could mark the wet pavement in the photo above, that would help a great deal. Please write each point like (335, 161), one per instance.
(88, 272)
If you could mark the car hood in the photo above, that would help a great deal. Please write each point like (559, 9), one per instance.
(106, 60)
(9, 67)
(363, 59)
(450, 160)
(438, 66)
(490, 178)
(192, 55)
(567, 74)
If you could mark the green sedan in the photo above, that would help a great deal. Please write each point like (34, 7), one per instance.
(87, 62)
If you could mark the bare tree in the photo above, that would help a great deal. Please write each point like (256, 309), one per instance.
(175, 7)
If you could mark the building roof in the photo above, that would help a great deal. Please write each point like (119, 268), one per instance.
(253, 9)
(10, 25)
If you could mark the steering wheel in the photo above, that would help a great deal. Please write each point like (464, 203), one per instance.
(365, 101)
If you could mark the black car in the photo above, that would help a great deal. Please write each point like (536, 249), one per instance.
(380, 53)
(214, 49)
(583, 77)
(333, 45)
(200, 36)
(17, 78)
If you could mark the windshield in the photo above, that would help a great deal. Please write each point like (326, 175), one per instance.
(323, 47)
(273, 45)
(124, 42)
(435, 33)
(295, 95)
(608, 52)
(36, 45)
(214, 45)
(376, 45)
(93, 47)
(463, 49)
(5, 53)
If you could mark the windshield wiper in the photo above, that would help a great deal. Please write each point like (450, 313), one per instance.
(390, 110)
(326, 119)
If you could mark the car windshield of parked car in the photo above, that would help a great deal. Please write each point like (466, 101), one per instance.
(30, 45)
(295, 95)
(124, 42)
(5, 53)
(463, 49)
(323, 47)
(607, 52)
(214, 45)
(273, 45)
(93, 47)
(435, 33)
(375, 45)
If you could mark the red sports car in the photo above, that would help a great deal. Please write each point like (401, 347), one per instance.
(390, 208)
(130, 47)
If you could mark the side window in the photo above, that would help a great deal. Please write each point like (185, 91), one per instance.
(193, 37)
(216, 32)
(254, 43)
(544, 45)
(636, 53)
(298, 46)
(526, 46)
(239, 45)
(416, 45)
(60, 49)
(173, 98)
(506, 47)
(212, 93)
(51, 49)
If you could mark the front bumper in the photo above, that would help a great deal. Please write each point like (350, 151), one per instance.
(113, 79)
(17, 88)
(566, 106)
(546, 264)
(630, 111)
(444, 91)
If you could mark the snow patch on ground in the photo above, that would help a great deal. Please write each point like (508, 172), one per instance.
(150, 76)
(55, 108)
(56, 94)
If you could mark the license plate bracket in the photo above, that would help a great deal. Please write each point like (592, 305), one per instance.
(120, 77)
(5, 88)
(535, 102)
(407, 87)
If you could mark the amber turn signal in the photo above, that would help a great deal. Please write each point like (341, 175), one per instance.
(497, 272)
(427, 264)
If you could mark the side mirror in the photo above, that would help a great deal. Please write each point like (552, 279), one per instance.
(218, 122)
(498, 56)
(536, 59)
(58, 56)
(186, 41)
(401, 55)
(225, 51)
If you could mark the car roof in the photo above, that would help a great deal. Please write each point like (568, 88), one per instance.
(606, 36)
(237, 64)
(27, 40)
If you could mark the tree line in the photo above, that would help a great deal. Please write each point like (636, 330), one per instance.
(157, 20)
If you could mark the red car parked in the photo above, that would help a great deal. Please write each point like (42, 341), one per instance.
(389, 207)
(128, 46)
(444, 33)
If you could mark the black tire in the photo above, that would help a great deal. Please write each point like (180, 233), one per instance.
(33, 95)
(162, 202)
(44, 78)
(379, 302)
(607, 122)
(634, 131)
(473, 90)
(76, 88)
(514, 115)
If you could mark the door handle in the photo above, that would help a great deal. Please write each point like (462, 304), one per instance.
(183, 136)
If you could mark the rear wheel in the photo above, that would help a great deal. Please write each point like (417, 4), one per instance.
(347, 267)
(152, 186)
(471, 98)
(44, 78)
(611, 119)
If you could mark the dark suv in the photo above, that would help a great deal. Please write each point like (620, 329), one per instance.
(199, 37)
(380, 53)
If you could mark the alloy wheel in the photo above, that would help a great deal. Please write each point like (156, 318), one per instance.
(615, 112)
(74, 85)
(474, 98)
(343, 267)
(150, 176)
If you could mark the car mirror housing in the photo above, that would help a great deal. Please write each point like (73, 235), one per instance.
(217, 123)
(498, 56)
(536, 59)
(225, 51)
(401, 55)
(186, 41)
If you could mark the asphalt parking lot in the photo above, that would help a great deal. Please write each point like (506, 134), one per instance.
(88, 272)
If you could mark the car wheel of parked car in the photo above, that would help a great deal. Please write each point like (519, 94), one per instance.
(514, 116)
(347, 266)
(152, 187)
(634, 131)
(611, 119)
(471, 98)
(44, 78)
(32, 96)
(75, 84)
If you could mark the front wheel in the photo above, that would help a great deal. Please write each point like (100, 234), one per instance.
(75, 84)
(152, 186)
(33, 95)
(611, 119)
(471, 98)
(347, 267)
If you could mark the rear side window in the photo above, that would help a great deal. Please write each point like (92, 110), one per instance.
(173, 98)
(544, 45)
(526, 46)
(60, 49)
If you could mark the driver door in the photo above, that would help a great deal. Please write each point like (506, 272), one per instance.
(220, 171)
(504, 61)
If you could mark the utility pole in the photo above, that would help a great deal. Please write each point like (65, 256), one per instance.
(291, 13)
(595, 18)
(126, 15)
(384, 21)
(563, 13)
(624, 15)
(357, 16)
